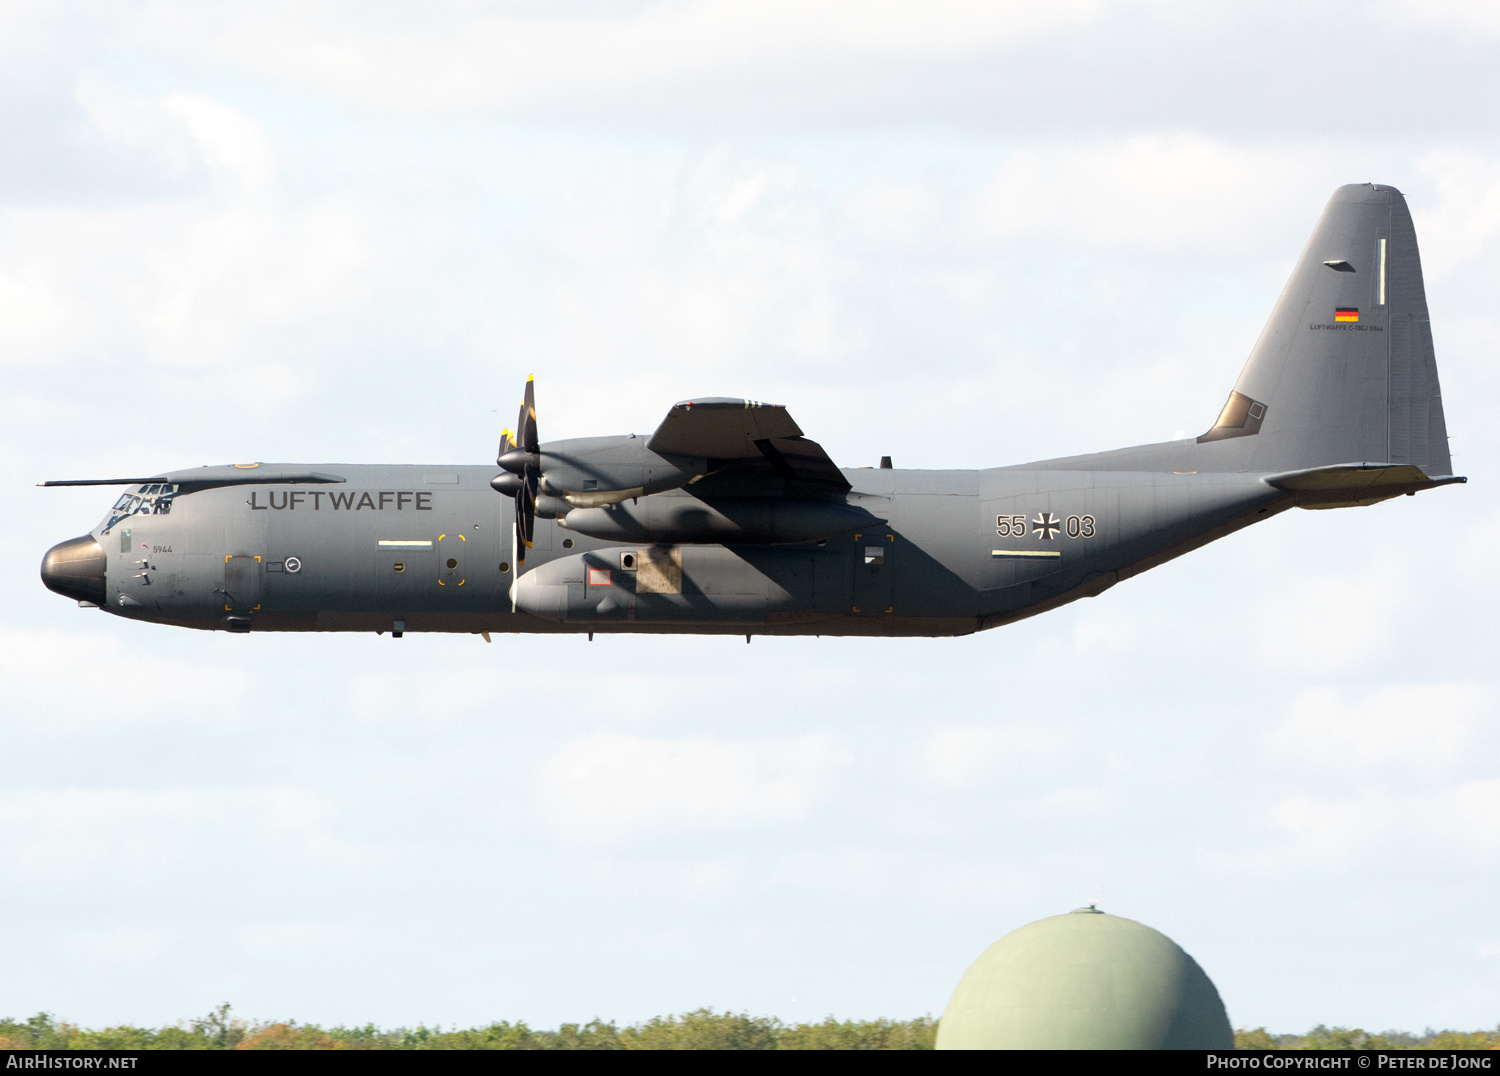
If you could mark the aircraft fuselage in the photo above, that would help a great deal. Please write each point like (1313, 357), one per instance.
(729, 520)
(428, 548)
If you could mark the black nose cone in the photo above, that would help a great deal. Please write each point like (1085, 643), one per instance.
(75, 568)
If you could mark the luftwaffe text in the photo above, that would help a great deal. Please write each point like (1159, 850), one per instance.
(375, 500)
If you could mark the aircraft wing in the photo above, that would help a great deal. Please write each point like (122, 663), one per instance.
(747, 440)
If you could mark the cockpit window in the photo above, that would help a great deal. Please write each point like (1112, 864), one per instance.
(154, 499)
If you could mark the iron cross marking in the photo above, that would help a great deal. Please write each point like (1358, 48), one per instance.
(1045, 526)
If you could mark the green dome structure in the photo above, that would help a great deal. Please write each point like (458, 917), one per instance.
(1085, 981)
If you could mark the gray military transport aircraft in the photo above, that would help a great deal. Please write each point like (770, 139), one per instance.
(727, 520)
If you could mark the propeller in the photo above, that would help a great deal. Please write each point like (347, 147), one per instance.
(520, 457)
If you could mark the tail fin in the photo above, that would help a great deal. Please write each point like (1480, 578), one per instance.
(1344, 370)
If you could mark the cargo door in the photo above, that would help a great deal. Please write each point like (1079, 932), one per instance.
(874, 573)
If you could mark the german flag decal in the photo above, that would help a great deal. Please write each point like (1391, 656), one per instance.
(1346, 313)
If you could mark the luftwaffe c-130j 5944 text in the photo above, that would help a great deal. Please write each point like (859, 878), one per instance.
(728, 520)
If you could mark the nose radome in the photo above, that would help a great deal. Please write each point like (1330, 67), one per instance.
(75, 569)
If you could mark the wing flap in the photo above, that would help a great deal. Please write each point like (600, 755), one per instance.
(802, 462)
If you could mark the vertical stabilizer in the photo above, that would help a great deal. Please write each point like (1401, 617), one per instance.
(1344, 370)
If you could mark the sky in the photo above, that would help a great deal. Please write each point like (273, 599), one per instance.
(960, 233)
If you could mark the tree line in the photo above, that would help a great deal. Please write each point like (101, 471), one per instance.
(1354, 1038)
(701, 1029)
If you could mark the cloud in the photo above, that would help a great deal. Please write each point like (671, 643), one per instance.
(194, 280)
(514, 58)
(1476, 18)
(233, 146)
(1184, 193)
(120, 945)
(61, 837)
(390, 699)
(1099, 634)
(1181, 193)
(57, 681)
(1418, 728)
(1475, 550)
(614, 787)
(960, 758)
(1329, 625)
(996, 281)
(1460, 226)
(694, 266)
(1109, 65)
(1462, 821)
(298, 937)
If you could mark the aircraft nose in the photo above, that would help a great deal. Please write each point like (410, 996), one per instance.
(75, 569)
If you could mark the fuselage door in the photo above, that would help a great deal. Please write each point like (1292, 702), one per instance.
(241, 583)
(874, 573)
(407, 565)
(451, 559)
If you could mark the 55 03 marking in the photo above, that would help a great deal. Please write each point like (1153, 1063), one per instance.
(1045, 526)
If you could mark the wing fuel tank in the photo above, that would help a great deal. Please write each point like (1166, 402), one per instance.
(730, 520)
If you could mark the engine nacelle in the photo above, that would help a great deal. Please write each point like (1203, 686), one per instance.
(548, 507)
(681, 519)
(593, 471)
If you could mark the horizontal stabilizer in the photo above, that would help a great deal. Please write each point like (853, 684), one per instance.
(1348, 485)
